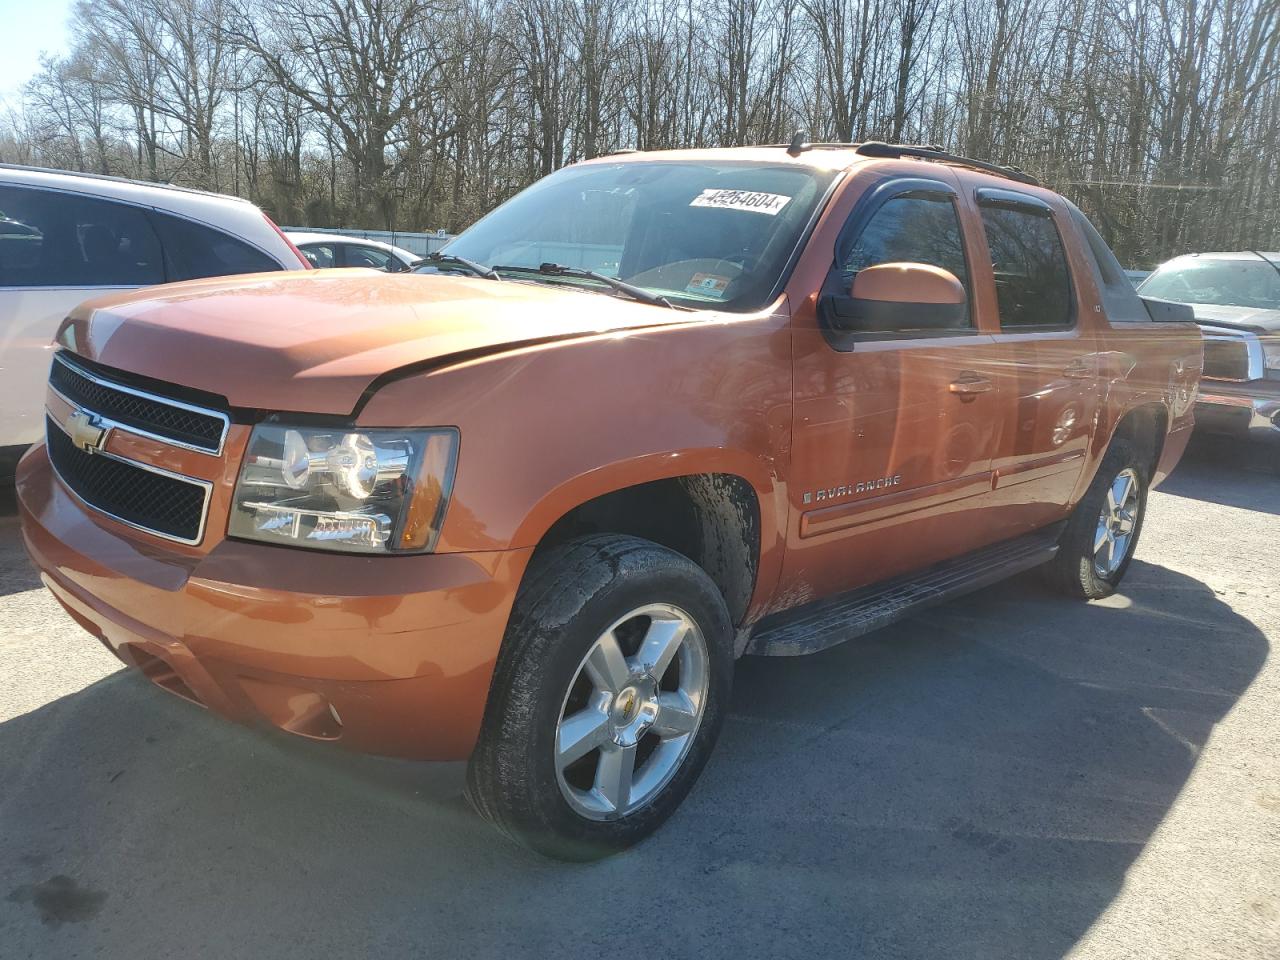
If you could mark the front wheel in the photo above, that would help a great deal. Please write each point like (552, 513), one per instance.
(1098, 543)
(607, 697)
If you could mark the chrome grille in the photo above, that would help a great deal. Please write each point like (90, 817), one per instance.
(160, 418)
(144, 497)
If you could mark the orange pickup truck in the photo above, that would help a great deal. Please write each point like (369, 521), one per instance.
(527, 504)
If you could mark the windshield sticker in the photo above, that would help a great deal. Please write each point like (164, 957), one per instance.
(707, 285)
(770, 203)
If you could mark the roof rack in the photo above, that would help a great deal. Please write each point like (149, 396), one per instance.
(878, 148)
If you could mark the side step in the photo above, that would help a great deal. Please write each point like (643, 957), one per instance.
(824, 623)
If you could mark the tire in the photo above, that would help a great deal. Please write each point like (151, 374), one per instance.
(1082, 568)
(557, 663)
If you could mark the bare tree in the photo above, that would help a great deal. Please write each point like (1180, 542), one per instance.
(1160, 117)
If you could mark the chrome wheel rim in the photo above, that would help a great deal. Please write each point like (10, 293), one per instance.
(1116, 523)
(631, 712)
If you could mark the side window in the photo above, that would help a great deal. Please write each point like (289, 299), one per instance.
(912, 228)
(321, 255)
(193, 250)
(1033, 286)
(1119, 298)
(55, 239)
(358, 256)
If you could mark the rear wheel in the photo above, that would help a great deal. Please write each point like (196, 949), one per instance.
(1098, 543)
(607, 698)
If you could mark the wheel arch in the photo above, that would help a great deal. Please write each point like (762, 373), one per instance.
(1146, 425)
(717, 518)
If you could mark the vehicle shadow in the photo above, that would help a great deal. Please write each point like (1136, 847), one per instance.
(1226, 471)
(974, 782)
(17, 573)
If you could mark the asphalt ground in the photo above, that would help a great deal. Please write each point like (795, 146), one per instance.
(1013, 775)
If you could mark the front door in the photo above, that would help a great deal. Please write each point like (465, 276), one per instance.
(893, 430)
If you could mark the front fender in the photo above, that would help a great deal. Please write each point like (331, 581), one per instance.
(547, 428)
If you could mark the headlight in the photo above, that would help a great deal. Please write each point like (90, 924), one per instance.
(365, 491)
(1271, 356)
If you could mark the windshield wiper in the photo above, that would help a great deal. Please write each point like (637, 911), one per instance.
(449, 259)
(1267, 260)
(621, 286)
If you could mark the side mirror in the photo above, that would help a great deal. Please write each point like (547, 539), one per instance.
(899, 298)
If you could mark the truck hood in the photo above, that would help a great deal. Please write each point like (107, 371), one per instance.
(1256, 319)
(315, 341)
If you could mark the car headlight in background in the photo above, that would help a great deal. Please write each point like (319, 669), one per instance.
(1271, 356)
(341, 488)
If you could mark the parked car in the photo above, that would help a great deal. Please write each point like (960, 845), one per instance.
(654, 413)
(1236, 300)
(332, 250)
(66, 237)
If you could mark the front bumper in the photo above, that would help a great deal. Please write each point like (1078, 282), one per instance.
(389, 655)
(1238, 411)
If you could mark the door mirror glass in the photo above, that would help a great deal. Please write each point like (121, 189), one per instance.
(900, 298)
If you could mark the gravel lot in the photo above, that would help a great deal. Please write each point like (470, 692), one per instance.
(1009, 776)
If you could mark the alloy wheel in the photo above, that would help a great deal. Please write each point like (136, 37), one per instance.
(1116, 523)
(631, 712)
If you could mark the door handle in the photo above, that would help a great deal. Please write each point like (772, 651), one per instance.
(969, 384)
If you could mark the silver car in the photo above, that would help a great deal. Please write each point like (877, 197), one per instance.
(1236, 299)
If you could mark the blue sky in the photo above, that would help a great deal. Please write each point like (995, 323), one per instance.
(30, 26)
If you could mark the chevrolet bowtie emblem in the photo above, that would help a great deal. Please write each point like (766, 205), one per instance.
(85, 431)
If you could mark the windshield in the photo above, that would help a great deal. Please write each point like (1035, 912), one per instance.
(702, 235)
(1227, 283)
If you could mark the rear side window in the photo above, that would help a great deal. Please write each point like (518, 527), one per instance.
(193, 250)
(55, 239)
(1119, 297)
(1033, 286)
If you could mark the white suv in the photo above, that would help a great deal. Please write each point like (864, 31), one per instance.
(67, 237)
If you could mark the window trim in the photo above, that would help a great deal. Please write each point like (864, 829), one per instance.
(802, 241)
(875, 197)
(1019, 202)
(147, 209)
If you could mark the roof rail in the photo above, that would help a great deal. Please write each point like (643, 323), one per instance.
(878, 148)
(108, 178)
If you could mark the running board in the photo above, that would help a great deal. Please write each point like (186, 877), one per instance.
(825, 623)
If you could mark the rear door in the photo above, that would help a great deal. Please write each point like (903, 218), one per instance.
(1048, 365)
(58, 249)
(893, 433)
